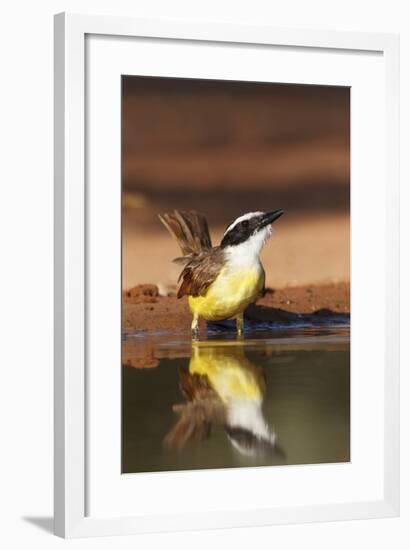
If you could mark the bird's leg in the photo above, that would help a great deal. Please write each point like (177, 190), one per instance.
(239, 324)
(195, 327)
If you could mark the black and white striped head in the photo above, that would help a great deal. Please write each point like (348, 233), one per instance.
(252, 229)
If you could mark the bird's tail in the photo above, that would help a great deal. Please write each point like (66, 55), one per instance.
(190, 229)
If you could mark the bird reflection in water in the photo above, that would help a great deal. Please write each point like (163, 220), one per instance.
(223, 387)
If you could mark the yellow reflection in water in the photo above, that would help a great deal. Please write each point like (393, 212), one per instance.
(222, 387)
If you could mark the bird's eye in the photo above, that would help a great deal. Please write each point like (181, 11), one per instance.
(245, 224)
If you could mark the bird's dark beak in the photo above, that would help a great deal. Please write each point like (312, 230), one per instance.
(270, 217)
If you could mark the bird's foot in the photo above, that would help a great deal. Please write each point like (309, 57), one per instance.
(195, 329)
(239, 326)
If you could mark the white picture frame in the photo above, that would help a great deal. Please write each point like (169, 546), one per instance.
(71, 257)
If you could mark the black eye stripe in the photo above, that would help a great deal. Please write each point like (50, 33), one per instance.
(243, 224)
(240, 232)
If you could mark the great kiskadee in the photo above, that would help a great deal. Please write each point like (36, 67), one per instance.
(220, 281)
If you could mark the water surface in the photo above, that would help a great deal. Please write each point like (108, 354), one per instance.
(273, 398)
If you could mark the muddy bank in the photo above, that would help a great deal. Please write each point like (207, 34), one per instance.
(144, 309)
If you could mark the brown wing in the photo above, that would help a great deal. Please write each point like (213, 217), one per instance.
(200, 271)
(190, 229)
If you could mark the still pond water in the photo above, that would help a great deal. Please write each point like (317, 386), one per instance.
(273, 398)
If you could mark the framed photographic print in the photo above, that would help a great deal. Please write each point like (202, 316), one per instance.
(226, 275)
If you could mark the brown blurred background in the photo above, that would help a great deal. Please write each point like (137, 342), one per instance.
(226, 148)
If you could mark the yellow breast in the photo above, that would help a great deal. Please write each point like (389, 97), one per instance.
(229, 294)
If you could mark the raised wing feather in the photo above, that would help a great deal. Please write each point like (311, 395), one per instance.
(202, 262)
(190, 229)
